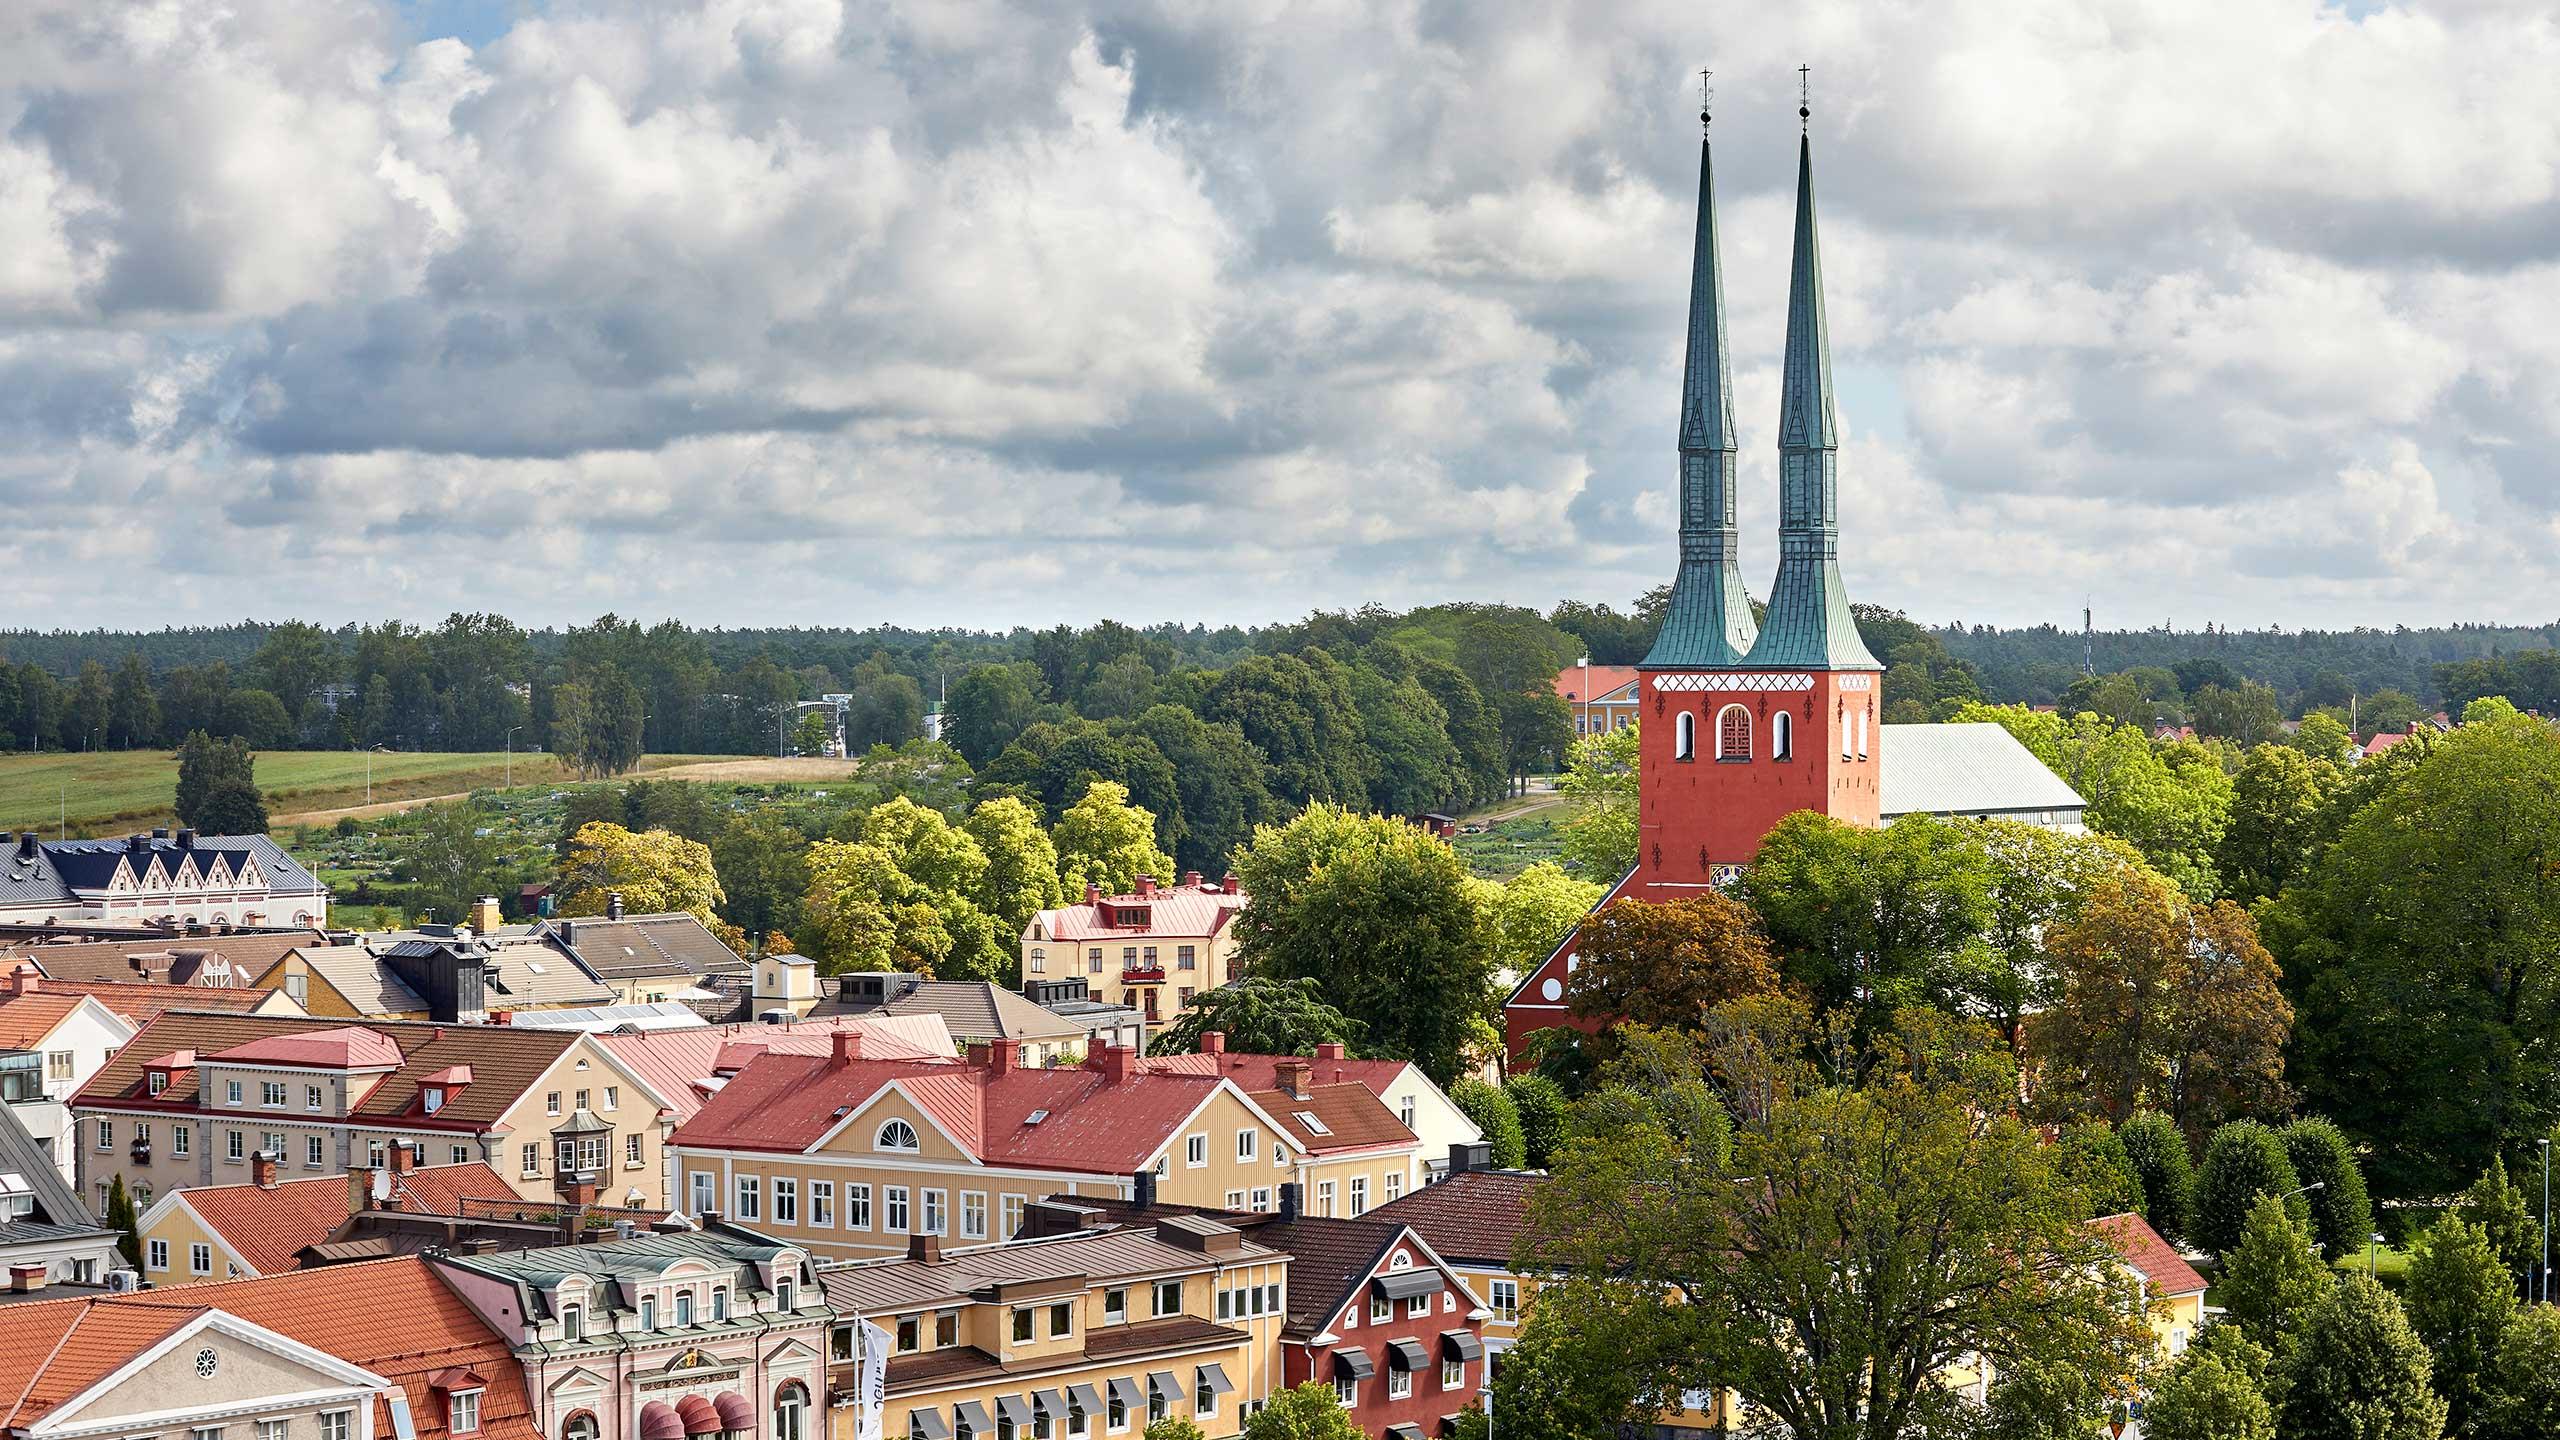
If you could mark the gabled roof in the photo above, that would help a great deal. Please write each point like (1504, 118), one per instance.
(140, 1003)
(360, 978)
(973, 1009)
(26, 1019)
(640, 946)
(177, 957)
(680, 1064)
(1179, 912)
(1262, 1072)
(1352, 1116)
(1974, 769)
(267, 1227)
(1606, 681)
(1472, 1218)
(25, 1163)
(504, 1062)
(2154, 1258)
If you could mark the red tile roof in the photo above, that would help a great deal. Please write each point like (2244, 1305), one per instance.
(1473, 1218)
(676, 1063)
(2143, 1249)
(1093, 1124)
(26, 1019)
(1262, 1072)
(1604, 679)
(347, 1047)
(1354, 1119)
(2384, 741)
(63, 1346)
(268, 1227)
(141, 1002)
(505, 1062)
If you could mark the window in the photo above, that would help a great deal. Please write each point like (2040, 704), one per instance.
(1418, 1307)
(631, 1151)
(1168, 1297)
(1684, 737)
(946, 1328)
(786, 1200)
(205, 1432)
(1782, 736)
(684, 1308)
(432, 1098)
(313, 1097)
(750, 1197)
(106, 1134)
(181, 1140)
(973, 1215)
(896, 1135)
(706, 1187)
(789, 1408)
(1846, 752)
(1394, 1180)
(1115, 1305)
(158, 1255)
(298, 986)
(311, 1156)
(1195, 1151)
(1381, 1309)
(648, 1312)
(551, 1103)
(1062, 1320)
(840, 1344)
(1346, 1389)
(910, 1334)
(533, 1161)
(1159, 1404)
(1115, 1413)
(1235, 1199)
(573, 1322)
(719, 1302)
(335, 1424)
(1012, 1216)
(1399, 1382)
(1128, 956)
(58, 1064)
(1453, 1373)
(1039, 961)
(199, 1259)
(935, 1221)
(895, 1197)
(1862, 734)
(1359, 1195)
(158, 1081)
(1262, 1197)
(1245, 1140)
(1324, 1197)
(1733, 733)
(822, 1202)
(1022, 1322)
(235, 1145)
(1093, 960)
(857, 1207)
(231, 1092)
(1502, 1297)
(461, 1154)
(373, 1153)
(582, 1101)
(466, 1411)
(1404, 1112)
(271, 1092)
(1204, 1398)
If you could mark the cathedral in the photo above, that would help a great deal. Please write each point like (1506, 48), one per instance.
(1744, 723)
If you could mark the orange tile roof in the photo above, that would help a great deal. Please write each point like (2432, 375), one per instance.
(2143, 1249)
(26, 1019)
(63, 1346)
(1604, 680)
(1353, 1117)
(267, 1227)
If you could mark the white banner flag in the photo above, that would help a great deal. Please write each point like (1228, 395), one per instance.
(873, 1389)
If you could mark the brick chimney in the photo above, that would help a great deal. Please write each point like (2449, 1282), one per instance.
(25, 981)
(26, 1277)
(999, 1056)
(1290, 1075)
(1229, 883)
(1190, 879)
(403, 1158)
(844, 1047)
(1329, 1050)
(262, 1170)
(1213, 1042)
(1146, 887)
(927, 1248)
(359, 1189)
(485, 915)
(1092, 893)
(1114, 1061)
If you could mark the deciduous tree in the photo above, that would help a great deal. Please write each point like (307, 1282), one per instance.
(2360, 1372)
(2273, 1279)
(2461, 1300)
(1259, 1015)
(2341, 1211)
(2158, 1151)
(653, 871)
(2244, 1162)
(1303, 1412)
(1666, 965)
(1104, 840)
(1600, 839)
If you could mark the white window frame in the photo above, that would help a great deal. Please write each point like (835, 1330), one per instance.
(786, 1200)
(973, 1214)
(857, 1205)
(157, 1253)
(822, 1203)
(199, 1258)
(749, 1197)
(882, 1139)
(896, 1213)
(1247, 1150)
(1195, 1151)
(465, 1408)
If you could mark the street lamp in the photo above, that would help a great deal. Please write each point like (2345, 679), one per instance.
(511, 755)
(2304, 1190)
(2546, 1219)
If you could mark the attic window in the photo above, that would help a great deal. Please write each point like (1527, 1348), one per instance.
(159, 1081)
(434, 1098)
(1035, 1117)
(1309, 1120)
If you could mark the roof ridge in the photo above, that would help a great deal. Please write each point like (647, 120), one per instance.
(38, 1369)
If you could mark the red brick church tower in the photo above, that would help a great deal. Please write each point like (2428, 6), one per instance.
(1743, 724)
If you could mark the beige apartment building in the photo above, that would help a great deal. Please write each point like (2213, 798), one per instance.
(1152, 949)
(852, 1156)
(194, 1096)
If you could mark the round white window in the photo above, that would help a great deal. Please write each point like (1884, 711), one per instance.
(1552, 989)
(206, 1363)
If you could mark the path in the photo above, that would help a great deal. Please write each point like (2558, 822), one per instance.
(744, 768)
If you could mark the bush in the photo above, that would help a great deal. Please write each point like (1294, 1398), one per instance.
(2272, 1280)
(2341, 1212)
(2204, 1397)
(2360, 1372)
(2167, 1172)
(2460, 1300)
(2244, 1161)
(1495, 1115)
(1540, 1104)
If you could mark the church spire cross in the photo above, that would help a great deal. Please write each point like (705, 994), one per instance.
(1707, 622)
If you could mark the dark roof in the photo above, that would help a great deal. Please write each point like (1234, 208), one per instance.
(638, 946)
(974, 1009)
(58, 1215)
(966, 1364)
(67, 865)
(163, 958)
(1473, 1218)
(504, 1061)
(1329, 1257)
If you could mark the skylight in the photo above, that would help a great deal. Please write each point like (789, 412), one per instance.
(1035, 1117)
(1314, 1125)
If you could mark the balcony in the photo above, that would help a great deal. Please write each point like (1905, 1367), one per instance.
(1142, 975)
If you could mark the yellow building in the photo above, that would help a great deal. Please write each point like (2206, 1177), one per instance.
(1092, 1333)
(1152, 949)
(851, 1156)
(196, 1095)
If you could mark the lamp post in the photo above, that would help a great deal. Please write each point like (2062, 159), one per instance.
(2546, 1219)
(511, 755)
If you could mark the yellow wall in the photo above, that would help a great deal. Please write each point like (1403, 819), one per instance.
(530, 1122)
(180, 1228)
(322, 998)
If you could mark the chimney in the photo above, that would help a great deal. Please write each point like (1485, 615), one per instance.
(1114, 1061)
(27, 844)
(403, 1158)
(137, 843)
(262, 1170)
(613, 905)
(1142, 1189)
(25, 982)
(26, 1277)
(927, 1248)
(1329, 1050)
(1290, 1075)
(1001, 1057)
(844, 1047)
(359, 1189)
(1213, 1042)
(1289, 1201)
(187, 839)
(485, 918)
(1465, 1156)
(1190, 879)
(1092, 893)
(159, 832)
(1228, 884)
(1146, 887)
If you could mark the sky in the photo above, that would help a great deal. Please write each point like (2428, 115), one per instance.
(956, 312)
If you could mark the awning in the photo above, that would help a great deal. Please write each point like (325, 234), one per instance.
(1449, 1424)
(1353, 1363)
(1216, 1379)
(701, 1417)
(1408, 1355)
(659, 1421)
(1163, 1383)
(1086, 1396)
(1125, 1390)
(1053, 1403)
(735, 1412)
(929, 1424)
(1461, 1343)
(974, 1415)
(1015, 1409)
(1404, 1432)
(1406, 1284)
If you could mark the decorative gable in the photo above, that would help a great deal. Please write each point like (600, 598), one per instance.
(204, 1367)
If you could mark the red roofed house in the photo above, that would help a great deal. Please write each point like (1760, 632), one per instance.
(1603, 697)
(2175, 1288)
(1420, 1106)
(317, 1353)
(1136, 945)
(51, 1042)
(214, 1232)
(851, 1155)
(690, 1065)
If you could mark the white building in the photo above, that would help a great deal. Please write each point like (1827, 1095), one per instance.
(160, 878)
(51, 1042)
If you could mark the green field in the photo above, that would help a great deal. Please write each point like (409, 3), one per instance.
(109, 791)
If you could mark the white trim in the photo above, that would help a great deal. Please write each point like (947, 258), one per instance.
(54, 1422)
(1730, 680)
(897, 1166)
(874, 1098)
(150, 1219)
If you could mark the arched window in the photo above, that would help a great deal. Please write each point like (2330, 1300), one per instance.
(1848, 751)
(581, 1426)
(1782, 736)
(1684, 737)
(897, 1135)
(1733, 733)
(790, 1412)
(1862, 734)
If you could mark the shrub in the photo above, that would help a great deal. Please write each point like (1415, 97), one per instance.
(2341, 1212)
(2360, 1372)
(2167, 1172)
(1495, 1115)
(1540, 1104)
(2243, 1161)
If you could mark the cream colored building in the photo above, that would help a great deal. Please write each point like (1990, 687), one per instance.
(1152, 949)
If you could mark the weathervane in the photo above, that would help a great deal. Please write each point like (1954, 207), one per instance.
(1804, 97)
(1706, 98)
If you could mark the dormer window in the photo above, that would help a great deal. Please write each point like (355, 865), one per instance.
(158, 1081)
(573, 1322)
(434, 1098)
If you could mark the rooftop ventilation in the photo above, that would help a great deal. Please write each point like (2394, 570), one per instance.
(1035, 1117)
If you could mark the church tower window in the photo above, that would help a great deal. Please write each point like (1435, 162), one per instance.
(1782, 736)
(1684, 737)
(1733, 733)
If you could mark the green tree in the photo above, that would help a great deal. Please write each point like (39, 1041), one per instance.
(989, 707)
(2095, 1159)
(1568, 1375)
(1220, 778)
(2157, 1149)
(887, 709)
(1540, 1103)
(1173, 1427)
(256, 717)
(1873, 919)
(2461, 1300)
(2524, 1381)
(1384, 918)
(1299, 711)
(2277, 800)
(1532, 912)
(1496, 1116)
(2488, 709)
(2360, 1372)
(654, 872)
(233, 807)
(2419, 954)
(207, 765)
(946, 870)
(449, 862)
(2322, 736)
(2246, 714)
(1600, 839)
(2206, 1396)
(1021, 878)
(121, 1218)
(763, 865)
(1667, 964)
(133, 708)
(1104, 840)
(2246, 1160)
(2273, 1279)
(294, 661)
(2170, 802)
(1259, 1015)
(1303, 1412)
(2341, 1211)
(2387, 711)
(90, 710)
(2493, 1203)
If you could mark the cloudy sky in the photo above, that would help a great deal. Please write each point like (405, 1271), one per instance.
(964, 312)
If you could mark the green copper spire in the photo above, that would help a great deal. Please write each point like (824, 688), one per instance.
(1708, 622)
(1808, 625)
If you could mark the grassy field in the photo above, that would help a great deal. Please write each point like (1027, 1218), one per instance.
(110, 791)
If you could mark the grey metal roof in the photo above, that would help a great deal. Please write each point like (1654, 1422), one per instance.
(872, 1286)
(1964, 770)
(58, 1213)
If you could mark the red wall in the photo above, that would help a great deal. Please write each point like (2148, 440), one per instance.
(1701, 813)
(1372, 1411)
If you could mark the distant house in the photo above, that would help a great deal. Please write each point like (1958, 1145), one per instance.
(46, 1234)
(1602, 697)
(165, 879)
(260, 1227)
(1133, 947)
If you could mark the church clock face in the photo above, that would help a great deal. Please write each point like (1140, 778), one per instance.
(206, 1363)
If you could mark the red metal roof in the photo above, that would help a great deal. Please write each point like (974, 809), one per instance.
(1182, 912)
(348, 1047)
(2143, 1249)
(1262, 1072)
(676, 1063)
(1605, 679)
